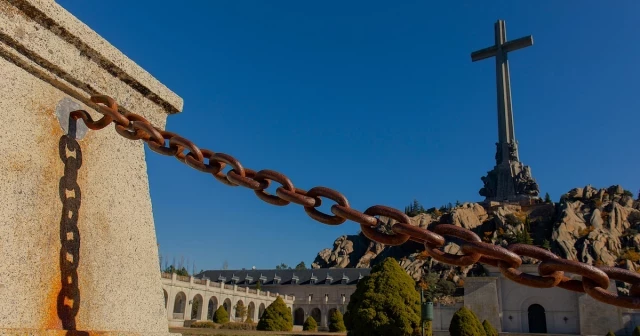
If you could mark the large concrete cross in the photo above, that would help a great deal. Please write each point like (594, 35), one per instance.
(506, 133)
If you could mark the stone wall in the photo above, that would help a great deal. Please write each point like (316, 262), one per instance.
(210, 295)
(78, 238)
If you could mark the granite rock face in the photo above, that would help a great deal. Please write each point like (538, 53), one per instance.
(595, 226)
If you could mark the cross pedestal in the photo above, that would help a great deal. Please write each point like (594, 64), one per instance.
(77, 239)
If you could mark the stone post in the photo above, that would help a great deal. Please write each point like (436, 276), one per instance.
(79, 249)
(481, 296)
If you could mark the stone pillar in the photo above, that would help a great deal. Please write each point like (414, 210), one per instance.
(79, 249)
(597, 318)
(481, 296)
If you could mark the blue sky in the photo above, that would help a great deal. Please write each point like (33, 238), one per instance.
(379, 100)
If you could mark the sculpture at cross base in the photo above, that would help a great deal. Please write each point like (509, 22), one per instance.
(509, 180)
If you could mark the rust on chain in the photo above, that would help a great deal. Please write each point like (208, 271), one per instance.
(264, 176)
(375, 235)
(595, 281)
(531, 280)
(586, 271)
(603, 295)
(453, 259)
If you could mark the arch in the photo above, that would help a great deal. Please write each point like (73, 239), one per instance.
(211, 308)
(227, 306)
(537, 319)
(179, 305)
(251, 311)
(298, 317)
(317, 315)
(166, 298)
(196, 307)
(261, 310)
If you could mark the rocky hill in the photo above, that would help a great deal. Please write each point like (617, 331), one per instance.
(596, 226)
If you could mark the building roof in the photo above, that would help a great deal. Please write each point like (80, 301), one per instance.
(322, 276)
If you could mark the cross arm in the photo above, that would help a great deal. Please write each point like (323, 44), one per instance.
(516, 44)
(483, 53)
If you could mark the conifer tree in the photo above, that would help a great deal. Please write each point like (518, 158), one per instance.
(384, 303)
(276, 317)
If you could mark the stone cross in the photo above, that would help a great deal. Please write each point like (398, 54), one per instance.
(507, 149)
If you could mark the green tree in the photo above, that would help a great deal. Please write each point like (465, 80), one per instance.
(458, 204)
(414, 209)
(636, 331)
(546, 245)
(194, 309)
(221, 316)
(610, 333)
(276, 317)
(248, 320)
(384, 303)
(301, 266)
(310, 324)
(241, 310)
(489, 329)
(427, 329)
(182, 271)
(282, 266)
(336, 322)
(547, 198)
(465, 323)
(434, 287)
(259, 285)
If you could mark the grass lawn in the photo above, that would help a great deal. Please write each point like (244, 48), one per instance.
(224, 332)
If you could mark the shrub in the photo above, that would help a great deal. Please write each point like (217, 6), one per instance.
(427, 330)
(586, 231)
(276, 317)
(384, 303)
(465, 323)
(248, 320)
(636, 331)
(238, 326)
(336, 322)
(203, 324)
(610, 333)
(310, 324)
(221, 316)
(632, 256)
(489, 329)
(241, 310)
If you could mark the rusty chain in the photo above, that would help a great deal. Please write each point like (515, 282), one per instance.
(594, 281)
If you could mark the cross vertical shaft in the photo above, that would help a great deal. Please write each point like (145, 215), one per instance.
(510, 180)
(507, 149)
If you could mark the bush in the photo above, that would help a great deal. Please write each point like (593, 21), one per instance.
(248, 320)
(489, 329)
(221, 316)
(636, 331)
(238, 326)
(203, 324)
(384, 303)
(465, 323)
(276, 317)
(310, 324)
(336, 322)
(427, 330)
(610, 333)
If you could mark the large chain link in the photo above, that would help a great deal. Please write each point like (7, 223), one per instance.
(595, 280)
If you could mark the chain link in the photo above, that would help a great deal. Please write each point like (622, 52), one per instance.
(595, 280)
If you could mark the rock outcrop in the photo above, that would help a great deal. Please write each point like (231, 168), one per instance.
(595, 226)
